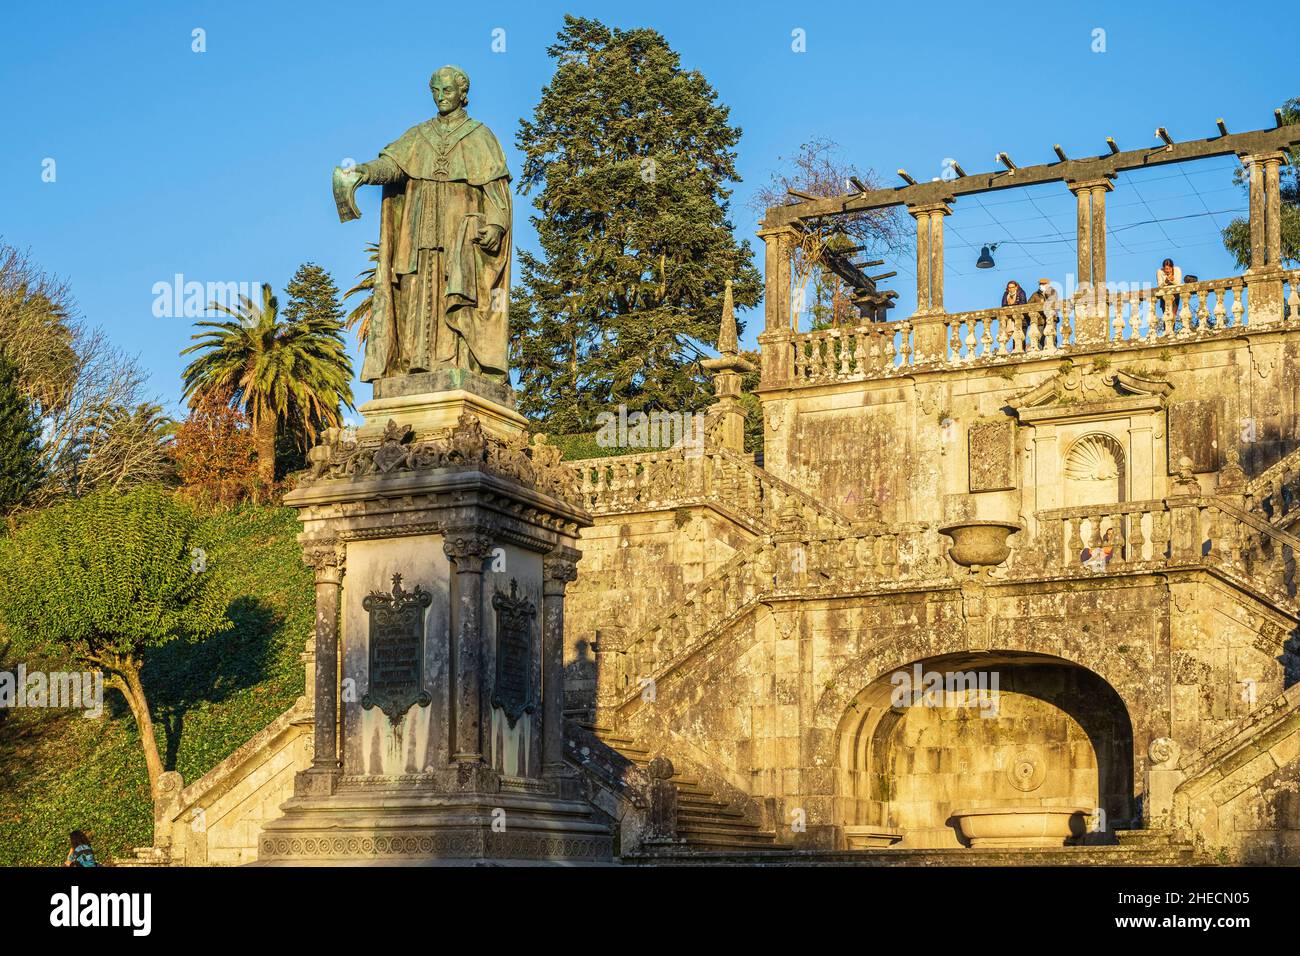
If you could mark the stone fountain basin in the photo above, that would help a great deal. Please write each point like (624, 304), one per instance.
(980, 543)
(1020, 826)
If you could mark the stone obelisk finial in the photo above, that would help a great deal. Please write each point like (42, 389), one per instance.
(728, 369)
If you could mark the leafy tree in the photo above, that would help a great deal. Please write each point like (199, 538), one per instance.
(37, 332)
(125, 447)
(97, 428)
(1236, 235)
(215, 454)
(291, 372)
(103, 581)
(20, 470)
(632, 156)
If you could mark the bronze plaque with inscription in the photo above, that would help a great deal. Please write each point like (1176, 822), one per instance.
(513, 692)
(396, 680)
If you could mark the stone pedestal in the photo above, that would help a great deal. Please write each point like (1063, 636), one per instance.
(442, 554)
(431, 402)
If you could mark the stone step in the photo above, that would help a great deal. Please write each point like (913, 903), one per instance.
(705, 835)
(778, 855)
(1148, 838)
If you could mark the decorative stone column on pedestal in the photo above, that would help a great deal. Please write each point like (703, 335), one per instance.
(727, 425)
(437, 655)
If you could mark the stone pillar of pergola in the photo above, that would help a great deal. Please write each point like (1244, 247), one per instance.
(1091, 225)
(1263, 171)
(928, 322)
(778, 330)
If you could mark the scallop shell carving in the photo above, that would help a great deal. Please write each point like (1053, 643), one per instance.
(1093, 458)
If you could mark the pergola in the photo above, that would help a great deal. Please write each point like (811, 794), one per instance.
(1262, 152)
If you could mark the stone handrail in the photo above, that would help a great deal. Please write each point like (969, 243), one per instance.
(682, 477)
(1275, 490)
(1082, 323)
(792, 562)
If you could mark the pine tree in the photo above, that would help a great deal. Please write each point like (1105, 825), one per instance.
(633, 156)
(19, 440)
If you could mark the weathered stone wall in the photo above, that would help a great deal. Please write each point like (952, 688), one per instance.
(905, 443)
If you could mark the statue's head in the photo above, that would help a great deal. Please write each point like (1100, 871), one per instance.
(450, 88)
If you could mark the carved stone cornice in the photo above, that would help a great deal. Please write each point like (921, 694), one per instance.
(466, 447)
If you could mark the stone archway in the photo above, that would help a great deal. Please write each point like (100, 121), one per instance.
(1002, 729)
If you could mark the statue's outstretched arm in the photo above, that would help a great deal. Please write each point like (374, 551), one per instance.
(381, 172)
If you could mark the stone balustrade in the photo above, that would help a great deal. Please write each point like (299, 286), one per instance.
(685, 477)
(1083, 323)
(1141, 535)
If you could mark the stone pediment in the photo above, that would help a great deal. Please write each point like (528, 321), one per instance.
(1087, 392)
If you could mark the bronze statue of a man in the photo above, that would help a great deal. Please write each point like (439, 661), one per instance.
(442, 283)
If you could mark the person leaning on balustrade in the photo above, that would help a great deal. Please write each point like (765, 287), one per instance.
(1046, 297)
(1168, 275)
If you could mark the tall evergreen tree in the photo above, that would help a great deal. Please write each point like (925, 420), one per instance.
(633, 156)
(19, 440)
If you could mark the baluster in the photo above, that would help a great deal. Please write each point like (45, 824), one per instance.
(1238, 307)
(1209, 521)
(1117, 549)
(1220, 313)
(1075, 546)
(1293, 299)
(889, 556)
(1117, 323)
(905, 343)
(969, 340)
(1006, 337)
(986, 337)
(1136, 539)
(1202, 309)
(1159, 535)
(1049, 332)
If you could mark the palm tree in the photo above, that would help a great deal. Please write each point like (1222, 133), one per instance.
(296, 373)
(366, 284)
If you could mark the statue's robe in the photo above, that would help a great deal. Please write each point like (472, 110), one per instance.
(440, 299)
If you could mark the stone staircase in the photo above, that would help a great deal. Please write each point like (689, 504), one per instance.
(705, 823)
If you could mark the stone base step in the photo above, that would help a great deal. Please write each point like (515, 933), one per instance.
(1045, 856)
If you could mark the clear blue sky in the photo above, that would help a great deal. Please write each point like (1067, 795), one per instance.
(216, 164)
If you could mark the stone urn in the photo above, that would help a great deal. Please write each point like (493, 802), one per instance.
(1004, 827)
(979, 544)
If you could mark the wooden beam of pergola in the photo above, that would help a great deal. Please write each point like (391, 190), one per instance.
(1068, 170)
